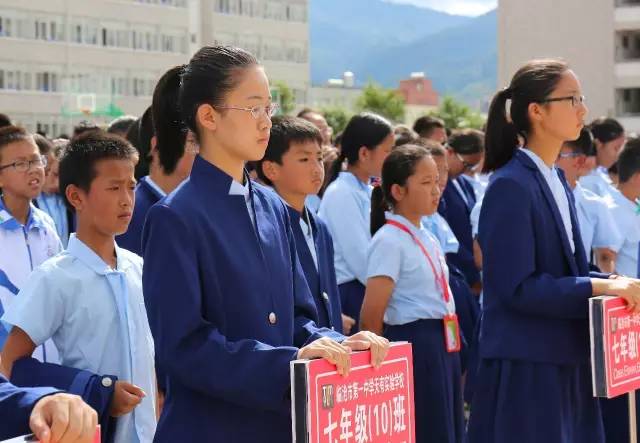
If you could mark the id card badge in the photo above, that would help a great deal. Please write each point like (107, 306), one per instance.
(451, 332)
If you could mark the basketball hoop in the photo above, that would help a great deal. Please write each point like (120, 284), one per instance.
(86, 103)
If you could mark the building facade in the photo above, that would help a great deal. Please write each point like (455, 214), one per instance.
(62, 61)
(600, 39)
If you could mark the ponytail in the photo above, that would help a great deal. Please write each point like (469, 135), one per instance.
(336, 168)
(378, 207)
(396, 170)
(501, 136)
(533, 83)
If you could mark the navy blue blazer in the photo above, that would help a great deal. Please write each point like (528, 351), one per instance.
(228, 307)
(458, 214)
(322, 281)
(536, 290)
(91, 387)
(146, 196)
(16, 405)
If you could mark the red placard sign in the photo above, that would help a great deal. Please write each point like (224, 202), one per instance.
(367, 406)
(615, 347)
(32, 439)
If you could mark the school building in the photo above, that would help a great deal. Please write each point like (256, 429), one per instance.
(64, 60)
(600, 39)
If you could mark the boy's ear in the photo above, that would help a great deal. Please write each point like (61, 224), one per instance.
(75, 196)
(271, 170)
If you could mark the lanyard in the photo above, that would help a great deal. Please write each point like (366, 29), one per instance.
(440, 277)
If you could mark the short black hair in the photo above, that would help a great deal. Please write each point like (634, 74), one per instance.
(120, 126)
(170, 131)
(4, 120)
(583, 144)
(79, 158)
(284, 131)
(404, 135)
(85, 126)
(139, 135)
(12, 134)
(606, 129)
(426, 124)
(303, 113)
(629, 160)
(45, 146)
(466, 141)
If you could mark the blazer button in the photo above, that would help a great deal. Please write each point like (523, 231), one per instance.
(272, 318)
(107, 382)
(325, 296)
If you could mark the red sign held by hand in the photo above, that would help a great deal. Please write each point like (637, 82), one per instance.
(367, 406)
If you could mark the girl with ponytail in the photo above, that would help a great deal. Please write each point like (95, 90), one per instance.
(408, 297)
(534, 380)
(366, 141)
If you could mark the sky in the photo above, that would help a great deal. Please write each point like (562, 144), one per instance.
(458, 7)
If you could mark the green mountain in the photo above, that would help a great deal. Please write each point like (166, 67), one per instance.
(385, 42)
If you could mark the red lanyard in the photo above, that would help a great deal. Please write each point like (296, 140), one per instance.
(440, 277)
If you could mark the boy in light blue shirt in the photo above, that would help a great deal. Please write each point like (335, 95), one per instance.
(626, 212)
(27, 235)
(89, 297)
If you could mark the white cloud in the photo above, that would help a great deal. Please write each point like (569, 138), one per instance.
(459, 7)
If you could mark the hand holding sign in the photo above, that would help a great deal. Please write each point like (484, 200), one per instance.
(63, 418)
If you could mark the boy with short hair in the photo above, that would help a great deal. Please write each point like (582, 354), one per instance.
(89, 298)
(27, 235)
(293, 166)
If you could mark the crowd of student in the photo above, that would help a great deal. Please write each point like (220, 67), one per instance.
(167, 270)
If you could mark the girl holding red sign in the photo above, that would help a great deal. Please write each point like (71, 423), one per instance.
(408, 296)
(534, 381)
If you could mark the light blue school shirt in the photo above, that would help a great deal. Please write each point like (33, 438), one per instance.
(628, 221)
(598, 182)
(417, 294)
(313, 202)
(597, 227)
(558, 191)
(22, 249)
(53, 204)
(97, 319)
(346, 209)
(438, 226)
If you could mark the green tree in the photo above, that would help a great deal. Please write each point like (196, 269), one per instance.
(337, 118)
(385, 102)
(458, 115)
(285, 97)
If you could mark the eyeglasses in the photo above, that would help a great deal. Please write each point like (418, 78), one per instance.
(571, 155)
(575, 99)
(467, 166)
(256, 111)
(26, 165)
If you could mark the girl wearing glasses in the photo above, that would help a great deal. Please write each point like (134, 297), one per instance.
(534, 380)
(346, 204)
(227, 301)
(28, 235)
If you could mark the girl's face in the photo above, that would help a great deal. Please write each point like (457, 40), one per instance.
(244, 133)
(564, 118)
(421, 193)
(372, 159)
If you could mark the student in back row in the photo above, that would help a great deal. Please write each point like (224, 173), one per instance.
(88, 299)
(292, 165)
(346, 204)
(26, 232)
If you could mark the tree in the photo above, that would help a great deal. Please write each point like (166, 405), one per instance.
(385, 102)
(285, 97)
(458, 115)
(337, 118)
